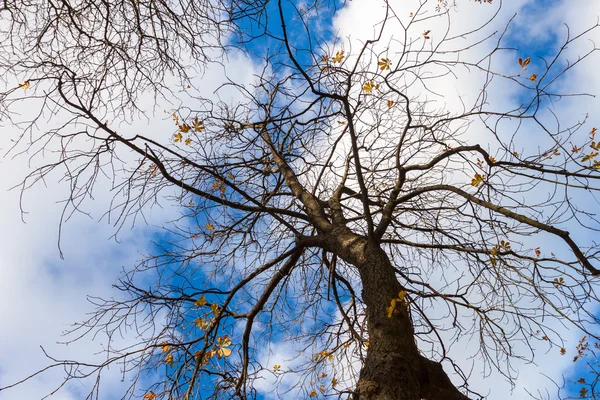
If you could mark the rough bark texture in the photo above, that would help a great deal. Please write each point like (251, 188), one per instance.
(393, 368)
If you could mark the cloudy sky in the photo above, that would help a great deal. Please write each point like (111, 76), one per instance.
(42, 295)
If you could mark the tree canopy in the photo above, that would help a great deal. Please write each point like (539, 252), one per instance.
(342, 200)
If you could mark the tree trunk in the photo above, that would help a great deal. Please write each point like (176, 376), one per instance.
(393, 368)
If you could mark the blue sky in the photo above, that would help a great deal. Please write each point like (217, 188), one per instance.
(45, 294)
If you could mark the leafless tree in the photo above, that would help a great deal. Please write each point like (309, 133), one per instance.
(333, 206)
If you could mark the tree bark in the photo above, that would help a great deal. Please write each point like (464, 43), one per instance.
(393, 368)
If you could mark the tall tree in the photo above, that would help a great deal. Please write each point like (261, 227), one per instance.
(334, 205)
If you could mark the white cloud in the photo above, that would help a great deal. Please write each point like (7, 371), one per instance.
(42, 295)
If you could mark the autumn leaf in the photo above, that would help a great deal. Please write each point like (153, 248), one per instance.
(581, 380)
(198, 125)
(339, 56)
(165, 347)
(368, 87)
(524, 63)
(426, 33)
(201, 301)
(169, 360)
(563, 351)
(325, 58)
(276, 367)
(223, 349)
(334, 382)
(150, 395)
(313, 393)
(210, 227)
(203, 324)
(384, 64)
(390, 103)
(558, 282)
(590, 156)
(533, 78)
(185, 128)
(476, 181)
(25, 85)
(537, 252)
(214, 308)
(177, 137)
(492, 159)
(583, 392)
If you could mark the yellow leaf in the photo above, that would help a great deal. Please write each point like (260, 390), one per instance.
(150, 396)
(524, 63)
(165, 347)
(334, 382)
(533, 78)
(210, 227)
(202, 324)
(177, 137)
(200, 302)
(368, 87)
(313, 393)
(492, 159)
(384, 64)
(25, 85)
(476, 181)
(325, 58)
(590, 156)
(198, 125)
(222, 349)
(339, 56)
(169, 360)
(185, 128)
(390, 103)
(223, 352)
(224, 341)
(214, 308)
(276, 367)
(426, 33)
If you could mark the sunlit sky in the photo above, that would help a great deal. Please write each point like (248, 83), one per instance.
(42, 294)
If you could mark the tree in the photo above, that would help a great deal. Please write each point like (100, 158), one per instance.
(334, 204)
